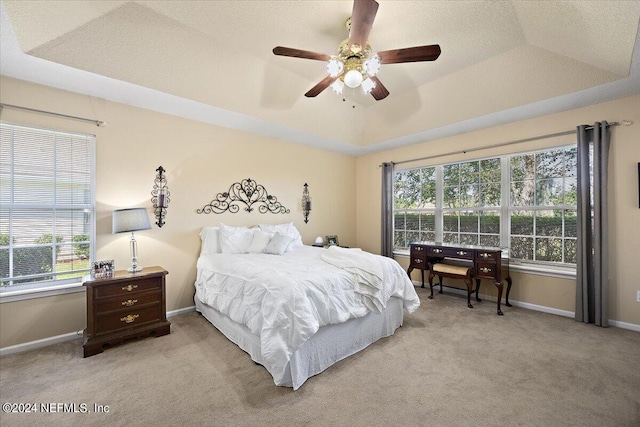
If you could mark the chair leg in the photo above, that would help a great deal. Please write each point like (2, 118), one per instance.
(478, 290)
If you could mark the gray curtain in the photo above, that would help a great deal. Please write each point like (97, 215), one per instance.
(387, 210)
(592, 276)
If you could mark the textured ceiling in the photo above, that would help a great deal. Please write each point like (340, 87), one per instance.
(214, 59)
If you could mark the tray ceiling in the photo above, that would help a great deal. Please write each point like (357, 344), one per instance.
(212, 61)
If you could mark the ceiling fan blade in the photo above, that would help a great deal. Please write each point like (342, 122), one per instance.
(379, 92)
(362, 16)
(324, 83)
(298, 53)
(410, 54)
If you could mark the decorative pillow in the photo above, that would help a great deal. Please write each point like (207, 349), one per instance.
(235, 240)
(260, 241)
(278, 244)
(286, 228)
(210, 237)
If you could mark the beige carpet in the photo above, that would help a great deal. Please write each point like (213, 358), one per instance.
(447, 366)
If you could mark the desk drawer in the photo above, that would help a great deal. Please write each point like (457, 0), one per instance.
(128, 287)
(486, 270)
(487, 256)
(450, 252)
(127, 319)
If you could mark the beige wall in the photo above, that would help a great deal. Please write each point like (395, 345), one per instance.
(201, 161)
(624, 214)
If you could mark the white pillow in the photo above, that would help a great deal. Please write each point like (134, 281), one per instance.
(278, 244)
(260, 241)
(210, 237)
(235, 240)
(286, 228)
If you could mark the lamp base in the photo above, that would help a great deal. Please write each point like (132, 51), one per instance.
(134, 269)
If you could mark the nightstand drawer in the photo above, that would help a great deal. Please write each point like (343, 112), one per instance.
(486, 269)
(127, 319)
(128, 287)
(134, 301)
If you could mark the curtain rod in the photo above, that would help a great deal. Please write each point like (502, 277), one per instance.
(502, 144)
(33, 110)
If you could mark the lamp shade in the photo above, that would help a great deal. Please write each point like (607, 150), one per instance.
(133, 219)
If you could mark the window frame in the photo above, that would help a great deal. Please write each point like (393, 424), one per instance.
(16, 292)
(551, 268)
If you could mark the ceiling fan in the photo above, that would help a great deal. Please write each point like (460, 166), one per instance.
(355, 63)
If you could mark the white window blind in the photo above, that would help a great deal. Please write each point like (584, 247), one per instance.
(46, 206)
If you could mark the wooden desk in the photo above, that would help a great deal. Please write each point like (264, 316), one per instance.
(487, 263)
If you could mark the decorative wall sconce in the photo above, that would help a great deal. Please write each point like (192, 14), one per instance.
(160, 196)
(306, 202)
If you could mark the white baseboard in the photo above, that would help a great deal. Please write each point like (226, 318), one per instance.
(542, 308)
(32, 345)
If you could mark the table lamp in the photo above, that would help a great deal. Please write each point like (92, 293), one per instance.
(132, 219)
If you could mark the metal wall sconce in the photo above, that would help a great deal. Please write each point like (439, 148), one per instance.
(160, 196)
(306, 202)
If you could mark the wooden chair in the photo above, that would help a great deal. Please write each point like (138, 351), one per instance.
(442, 269)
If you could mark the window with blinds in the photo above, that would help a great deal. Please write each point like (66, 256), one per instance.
(46, 206)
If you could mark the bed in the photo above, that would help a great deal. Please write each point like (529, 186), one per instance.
(297, 309)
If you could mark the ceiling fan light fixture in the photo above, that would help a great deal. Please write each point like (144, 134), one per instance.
(372, 65)
(337, 86)
(335, 67)
(353, 78)
(368, 85)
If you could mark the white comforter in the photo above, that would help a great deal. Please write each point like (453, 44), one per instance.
(285, 299)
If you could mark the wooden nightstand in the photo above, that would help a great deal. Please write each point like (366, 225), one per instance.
(125, 306)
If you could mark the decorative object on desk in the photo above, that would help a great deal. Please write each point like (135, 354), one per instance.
(160, 196)
(306, 202)
(332, 240)
(102, 269)
(133, 219)
(248, 192)
(319, 241)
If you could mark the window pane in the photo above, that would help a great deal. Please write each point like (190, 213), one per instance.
(549, 249)
(570, 254)
(399, 240)
(490, 171)
(469, 173)
(413, 236)
(413, 221)
(522, 223)
(570, 223)
(550, 164)
(549, 223)
(450, 237)
(428, 237)
(549, 192)
(452, 197)
(427, 222)
(398, 221)
(451, 174)
(522, 167)
(571, 162)
(469, 239)
(490, 222)
(490, 240)
(450, 221)
(469, 222)
(522, 247)
(570, 191)
(522, 193)
(469, 196)
(490, 195)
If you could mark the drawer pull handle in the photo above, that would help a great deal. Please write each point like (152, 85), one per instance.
(461, 253)
(129, 288)
(130, 318)
(129, 303)
(485, 270)
(417, 261)
(419, 249)
(437, 250)
(485, 255)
